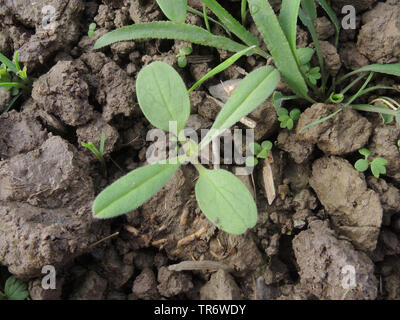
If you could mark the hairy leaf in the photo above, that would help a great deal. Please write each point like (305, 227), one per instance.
(168, 30)
(288, 21)
(255, 88)
(231, 23)
(175, 10)
(133, 189)
(278, 45)
(226, 201)
(162, 96)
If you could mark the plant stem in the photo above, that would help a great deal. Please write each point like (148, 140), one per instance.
(243, 11)
(206, 18)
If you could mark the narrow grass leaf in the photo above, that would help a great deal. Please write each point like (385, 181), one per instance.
(392, 69)
(221, 67)
(133, 189)
(226, 201)
(168, 30)
(162, 96)
(8, 63)
(231, 23)
(175, 10)
(278, 45)
(332, 16)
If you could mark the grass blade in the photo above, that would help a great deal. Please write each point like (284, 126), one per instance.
(133, 189)
(279, 47)
(168, 30)
(8, 63)
(221, 67)
(231, 23)
(392, 69)
(332, 16)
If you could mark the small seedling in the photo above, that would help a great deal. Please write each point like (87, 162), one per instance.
(221, 196)
(287, 118)
(14, 289)
(377, 165)
(259, 151)
(13, 78)
(181, 57)
(98, 153)
(92, 28)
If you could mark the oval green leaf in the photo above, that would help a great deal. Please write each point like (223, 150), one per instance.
(133, 189)
(162, 96)
(174, 10)
(226, 201)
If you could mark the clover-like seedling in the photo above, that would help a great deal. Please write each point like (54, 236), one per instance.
(14, 289)
(13, 78)
(181, 57)
(259, 152)
(287, 118)
(164, 100)
(377, 165)
(92, 28)
(99, 153)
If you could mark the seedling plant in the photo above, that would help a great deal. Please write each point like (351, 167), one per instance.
(377, 165)
(98, 153)
(163, 98)
(259, 151)
(14, 289)
(181, 57)
(225, 201)
(14, 79)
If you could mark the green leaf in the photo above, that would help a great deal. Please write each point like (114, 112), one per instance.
(392, 69)
(162, 96)
(288, 21)
(174, 10)
(255, 148)
(365, 152)
(254, 89)
(225, 201)
(221, 67)
(263, 154)
(295, 114)
(133, 189)
(8, 63)
(361, 165)
(102, 142)
(251, 162)
(305, 55)
(386, 118)
(278, 45)
(307, 15)
(378, 167)
(15, 289)
(282, 112)
(380, 161)
(231, 23)
(278, 98)
(332, 16)
(168, 30)
(267, 145)
(289, 124)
